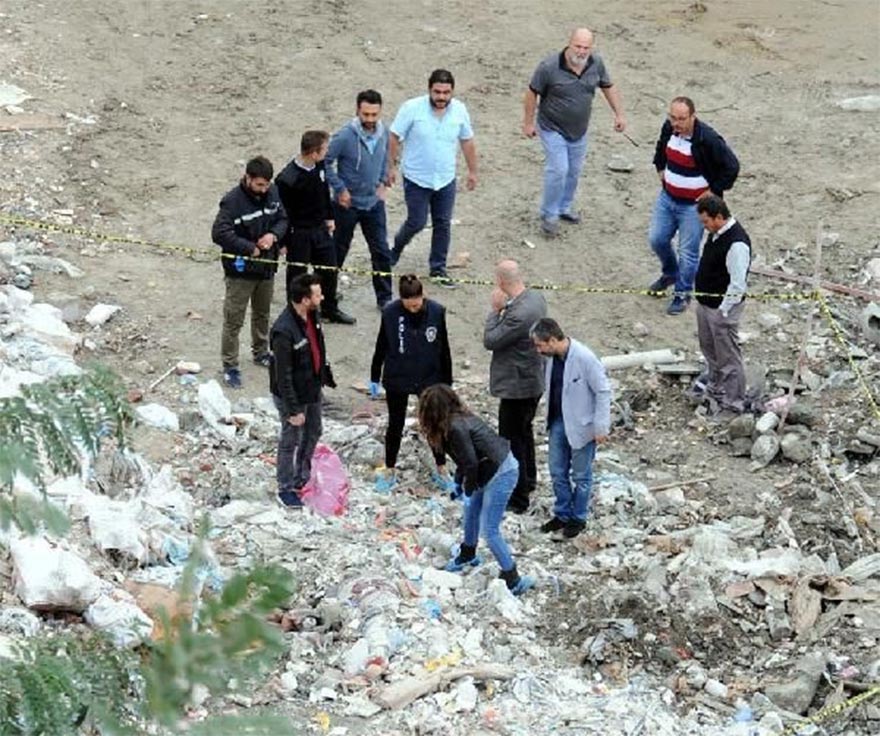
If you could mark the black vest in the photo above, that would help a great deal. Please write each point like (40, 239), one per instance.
(712, 276)
(414, 357)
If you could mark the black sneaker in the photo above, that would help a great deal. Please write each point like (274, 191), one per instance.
(573, 527)
(442, 279)
(515, 506)
(554, 525)
(339, 317)
(264, 360)
(661, 285)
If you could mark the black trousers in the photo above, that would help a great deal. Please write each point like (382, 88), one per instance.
(515, 417)
(396, 403)
(314, 246)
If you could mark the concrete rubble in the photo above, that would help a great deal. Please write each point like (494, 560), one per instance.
(664, 616)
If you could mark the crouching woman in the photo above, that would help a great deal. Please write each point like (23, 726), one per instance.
(487, 472)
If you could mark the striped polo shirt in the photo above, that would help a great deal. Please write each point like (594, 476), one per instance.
(681, 178)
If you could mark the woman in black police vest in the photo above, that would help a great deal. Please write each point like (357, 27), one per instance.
(412, 353)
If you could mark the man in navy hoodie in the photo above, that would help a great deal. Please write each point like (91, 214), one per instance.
(357, 163)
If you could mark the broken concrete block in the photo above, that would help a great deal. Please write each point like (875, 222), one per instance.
(796, 448)
(797, 693)
(741, 426)
(870, 322)
(766, 448)
(767, 423)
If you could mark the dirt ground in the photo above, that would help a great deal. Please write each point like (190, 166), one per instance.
(165, 100)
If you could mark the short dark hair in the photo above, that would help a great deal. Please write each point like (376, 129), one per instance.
(546, 329)
(410, 286)
(312, 140)
(370, 96)
(441, 76)
(259, 167)
(301, 286)
(686, 101)
(713, 206)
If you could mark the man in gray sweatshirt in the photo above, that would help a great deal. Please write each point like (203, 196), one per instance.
(357, 164)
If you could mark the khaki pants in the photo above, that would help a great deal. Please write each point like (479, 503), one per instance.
(238, 293)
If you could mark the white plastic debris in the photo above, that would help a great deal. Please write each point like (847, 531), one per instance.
(158, 416)
(865, 103)
(101, 313)
(118, 616)
(215, 407)
(466, 695)
(113, 525)
(12, 95)
(504, 601)
(48, 578)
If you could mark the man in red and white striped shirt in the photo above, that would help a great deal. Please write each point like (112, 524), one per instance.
(692, 160)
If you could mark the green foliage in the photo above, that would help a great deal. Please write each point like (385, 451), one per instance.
(58, 681)
(227, 638)
(47, 430)
(63, 684)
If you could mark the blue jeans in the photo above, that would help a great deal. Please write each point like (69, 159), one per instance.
(373, 227)
(420, 201)
(571, 472)
(296, 446)
(668, 216)
(563, 161)
(485, 509)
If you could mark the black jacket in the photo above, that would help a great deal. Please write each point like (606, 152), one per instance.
(305, 195)
(714, 158)
(292, 375)
(477, 450)
(243, 218)
(412, 348)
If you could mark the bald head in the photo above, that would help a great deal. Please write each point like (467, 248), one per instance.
(508, 277)
(580, 46)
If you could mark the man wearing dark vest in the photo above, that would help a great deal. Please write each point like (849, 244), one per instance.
(720, 290)
(692, 161)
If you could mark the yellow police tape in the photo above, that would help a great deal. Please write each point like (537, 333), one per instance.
(816, 296)
(831, 711)
(212, 253)
(841, 340)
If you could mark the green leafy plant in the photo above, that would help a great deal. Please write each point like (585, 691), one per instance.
(64, 683)
(47, 431)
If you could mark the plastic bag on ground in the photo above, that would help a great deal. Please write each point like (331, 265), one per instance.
(328, 487)
(48, 578)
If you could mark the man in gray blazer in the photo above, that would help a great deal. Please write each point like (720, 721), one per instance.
(578, 418)
(516, 374)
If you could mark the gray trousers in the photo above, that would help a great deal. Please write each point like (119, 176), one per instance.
(296, 446)
(719, 342)
(238, 293)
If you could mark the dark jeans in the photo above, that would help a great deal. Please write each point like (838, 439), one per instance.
(373, 227)
(313, 246)
(420, 201)
(296, 446)
(396, 403)
(515, 417)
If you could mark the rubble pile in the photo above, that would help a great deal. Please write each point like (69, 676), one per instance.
(665, 616)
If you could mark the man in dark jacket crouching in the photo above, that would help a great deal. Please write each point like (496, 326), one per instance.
(298, 372)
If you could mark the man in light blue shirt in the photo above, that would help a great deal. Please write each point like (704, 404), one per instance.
(431, 127)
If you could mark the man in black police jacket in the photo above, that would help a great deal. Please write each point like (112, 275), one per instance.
(248, 226)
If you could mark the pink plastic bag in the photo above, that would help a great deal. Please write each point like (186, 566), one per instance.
(328, 487)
